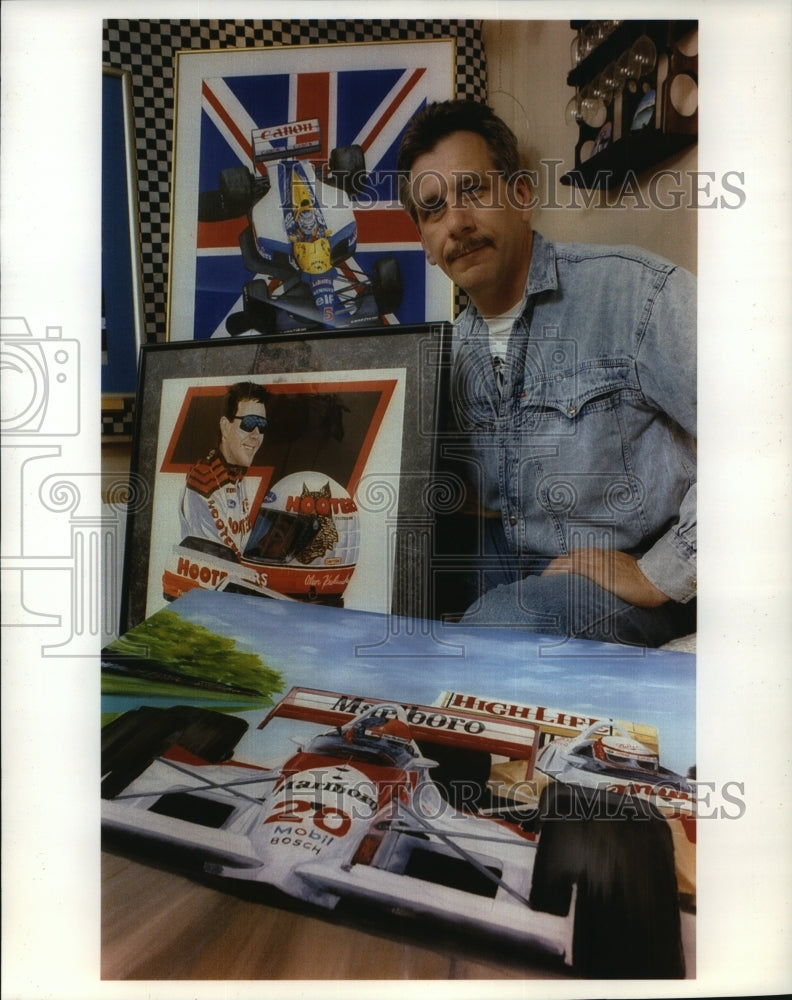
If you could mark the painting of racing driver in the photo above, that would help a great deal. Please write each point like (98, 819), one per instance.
(214, 504)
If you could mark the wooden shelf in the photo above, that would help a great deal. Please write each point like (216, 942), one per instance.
(636, 153)
(620, 39)
(667, 132)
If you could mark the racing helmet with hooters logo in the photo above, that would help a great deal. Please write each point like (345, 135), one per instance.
(307, 534)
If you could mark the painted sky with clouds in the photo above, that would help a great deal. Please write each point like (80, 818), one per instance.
(379, 656)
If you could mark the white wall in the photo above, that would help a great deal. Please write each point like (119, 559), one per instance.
(527, 66)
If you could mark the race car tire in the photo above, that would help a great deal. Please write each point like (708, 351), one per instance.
(250, 256)
(237, 324)
(135, 739)
(386, 280)
(618, 853)
(260, 311)
(348, 169)
(210, 207)
(236, 191)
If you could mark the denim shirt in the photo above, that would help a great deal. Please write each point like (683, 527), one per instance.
(589, 441)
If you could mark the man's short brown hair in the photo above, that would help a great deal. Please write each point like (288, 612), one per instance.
(442, 118)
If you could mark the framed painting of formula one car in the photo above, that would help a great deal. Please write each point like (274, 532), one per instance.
(296, 467)
(285, 213)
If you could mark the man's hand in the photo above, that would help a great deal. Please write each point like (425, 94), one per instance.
(614, 571)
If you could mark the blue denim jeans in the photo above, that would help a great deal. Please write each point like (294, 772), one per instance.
(504, 590)
(571, 605)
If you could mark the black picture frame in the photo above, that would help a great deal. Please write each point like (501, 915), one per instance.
(402, 490)
(122, 276)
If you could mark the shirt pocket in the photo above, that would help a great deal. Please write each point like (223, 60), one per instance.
(577, 432)
(474, 395)
(557, 401)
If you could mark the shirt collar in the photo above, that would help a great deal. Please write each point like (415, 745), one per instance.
(542, 277)
(234, 472)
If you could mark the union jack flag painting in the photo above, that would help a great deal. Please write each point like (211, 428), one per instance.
(268, 235)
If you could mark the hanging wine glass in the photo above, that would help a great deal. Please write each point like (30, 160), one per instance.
(572, 112)
(574, 50)
(586, 41)
(610, 78)
(622, 69)
(592, 108)
(603, 87)
(643, 57)
(598, 32)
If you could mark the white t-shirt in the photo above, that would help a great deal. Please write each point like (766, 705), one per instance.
(500, 328)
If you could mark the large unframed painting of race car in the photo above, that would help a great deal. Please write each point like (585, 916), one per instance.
(450, 791)
(285, 212)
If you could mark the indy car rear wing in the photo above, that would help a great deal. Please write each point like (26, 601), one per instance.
(553, 723)
(514, 739)
(288, 140)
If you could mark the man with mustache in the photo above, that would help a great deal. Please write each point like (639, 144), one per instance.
(214, 503)
(573, 394)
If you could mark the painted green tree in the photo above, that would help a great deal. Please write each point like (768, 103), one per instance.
(178, 647)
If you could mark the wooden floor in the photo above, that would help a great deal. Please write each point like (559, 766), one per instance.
(159, 925)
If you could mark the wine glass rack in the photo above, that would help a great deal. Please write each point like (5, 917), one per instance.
(636, 98)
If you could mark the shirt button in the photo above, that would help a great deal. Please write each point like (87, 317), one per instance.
(512, 520)
(571, 410)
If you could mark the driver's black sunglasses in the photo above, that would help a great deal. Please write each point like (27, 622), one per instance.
(251, 422)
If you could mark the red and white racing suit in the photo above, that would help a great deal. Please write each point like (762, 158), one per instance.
(214, 503)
